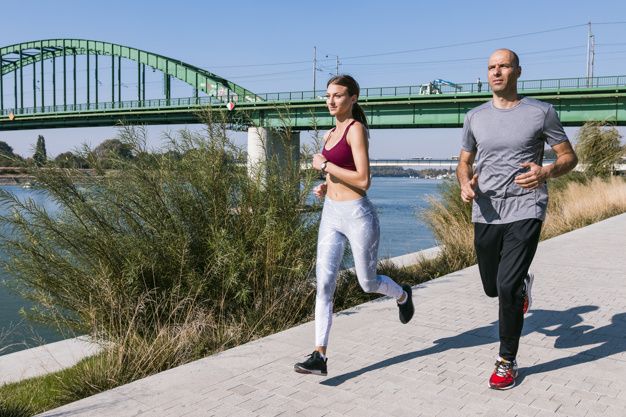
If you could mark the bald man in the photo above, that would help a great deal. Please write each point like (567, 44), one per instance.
(506, 137)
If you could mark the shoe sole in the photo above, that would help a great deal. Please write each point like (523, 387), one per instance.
(495, 387)
(529, 292)
(308, 371)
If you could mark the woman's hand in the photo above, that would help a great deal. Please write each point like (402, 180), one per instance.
(318, 159)
(320, 190)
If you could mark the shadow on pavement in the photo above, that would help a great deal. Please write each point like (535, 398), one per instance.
(566, 326)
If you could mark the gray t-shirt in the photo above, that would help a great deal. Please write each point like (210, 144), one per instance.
(503, 139)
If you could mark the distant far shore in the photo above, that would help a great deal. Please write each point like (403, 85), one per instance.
(16, 179)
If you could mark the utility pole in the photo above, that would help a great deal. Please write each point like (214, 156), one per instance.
(314, 70)
(591, 44)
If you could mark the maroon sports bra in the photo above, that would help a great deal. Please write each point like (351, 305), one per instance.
(341, 153)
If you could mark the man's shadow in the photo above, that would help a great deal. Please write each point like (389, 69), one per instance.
(568, 332)
(609, 340)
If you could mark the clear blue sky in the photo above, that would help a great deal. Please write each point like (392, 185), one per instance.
(267, 46)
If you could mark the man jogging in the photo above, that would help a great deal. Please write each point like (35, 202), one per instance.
(506, 136)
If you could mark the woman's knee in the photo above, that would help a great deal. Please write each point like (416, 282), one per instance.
(325, 289)
(370, 285)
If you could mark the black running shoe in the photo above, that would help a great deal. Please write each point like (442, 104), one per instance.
(407, 309)
(313, 365)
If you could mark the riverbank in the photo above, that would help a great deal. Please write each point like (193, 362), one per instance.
(20, 179)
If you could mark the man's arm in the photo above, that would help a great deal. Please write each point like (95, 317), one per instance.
(566, 160)
(465, 174)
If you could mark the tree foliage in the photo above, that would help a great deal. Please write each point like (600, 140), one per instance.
(40, 157)
(7, 157)
(598, 148)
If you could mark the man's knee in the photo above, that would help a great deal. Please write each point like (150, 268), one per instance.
(491, 292)
(507, 292)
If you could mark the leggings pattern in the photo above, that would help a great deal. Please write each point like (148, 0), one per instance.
(357, 222)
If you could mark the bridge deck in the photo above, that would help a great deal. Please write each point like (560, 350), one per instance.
(572, 356)
(577, 100)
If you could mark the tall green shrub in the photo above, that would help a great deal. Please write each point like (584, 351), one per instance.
(165, 239)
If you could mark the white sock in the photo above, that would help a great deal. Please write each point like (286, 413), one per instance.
(406, 298)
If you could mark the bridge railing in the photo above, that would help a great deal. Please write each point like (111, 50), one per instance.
(464, 88)
(557, 84)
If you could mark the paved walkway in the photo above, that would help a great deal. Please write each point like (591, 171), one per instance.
(572, 356)
(44, 359)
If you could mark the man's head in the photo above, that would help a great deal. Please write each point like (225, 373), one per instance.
(503, 70)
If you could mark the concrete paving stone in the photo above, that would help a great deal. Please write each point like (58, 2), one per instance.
(619, 402)
(243, 389)
(614, 412)
(303, 396)
(312, 412)
(447, 412)
(333, 413)
(569, 411)
(568, 399)
(227, 411)
(251, 405)
(544, 413)
(523, 397)
(473, 409)
(544, 404)
(364, 412)
(522, 410)
(604, 390)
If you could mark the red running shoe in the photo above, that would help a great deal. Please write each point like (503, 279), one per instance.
(504, 375)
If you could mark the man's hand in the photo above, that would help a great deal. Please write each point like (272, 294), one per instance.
(467, 189)
(535, 176)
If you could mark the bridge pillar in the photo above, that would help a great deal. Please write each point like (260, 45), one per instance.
(265, 144)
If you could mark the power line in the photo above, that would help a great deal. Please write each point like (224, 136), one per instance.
(452, 45)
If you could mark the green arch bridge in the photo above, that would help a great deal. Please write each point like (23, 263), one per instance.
(59, 83)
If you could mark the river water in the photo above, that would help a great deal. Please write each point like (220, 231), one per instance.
(398, 201)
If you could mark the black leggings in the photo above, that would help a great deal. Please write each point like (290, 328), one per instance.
(505, 252)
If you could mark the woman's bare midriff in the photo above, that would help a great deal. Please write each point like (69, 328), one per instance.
(340, 191)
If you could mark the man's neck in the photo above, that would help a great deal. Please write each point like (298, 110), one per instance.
(506, 100)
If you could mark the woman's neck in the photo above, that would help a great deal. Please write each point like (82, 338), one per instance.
(342, 121)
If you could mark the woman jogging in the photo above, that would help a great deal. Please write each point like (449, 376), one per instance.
(347, 215)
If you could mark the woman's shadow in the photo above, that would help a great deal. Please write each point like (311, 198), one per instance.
(564, 325)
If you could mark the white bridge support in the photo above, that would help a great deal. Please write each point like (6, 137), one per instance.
(265, 144)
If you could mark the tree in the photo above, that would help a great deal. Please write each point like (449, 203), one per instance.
(6, 149)
(598, 147)
(40, 157)
(70, 160)
(7, 157)
(113, 148)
